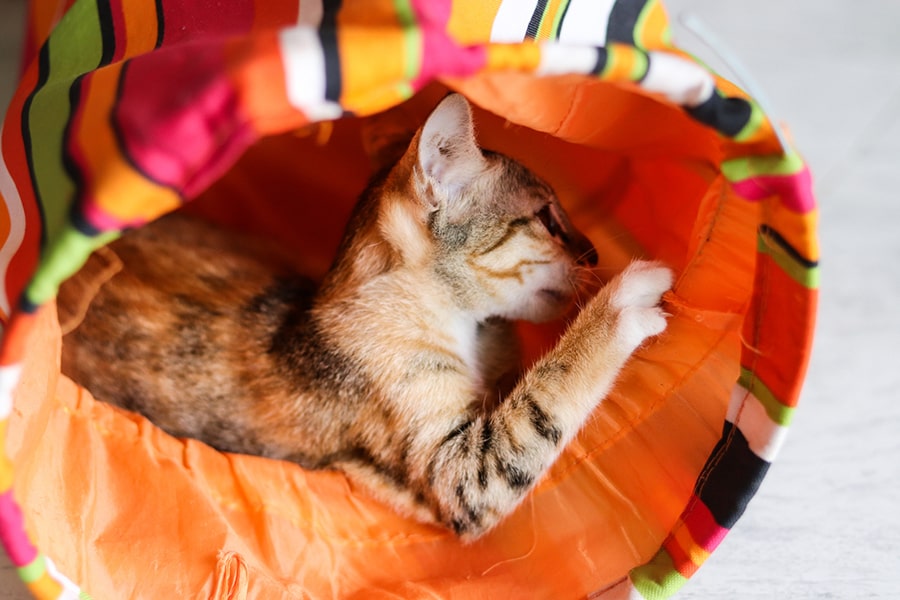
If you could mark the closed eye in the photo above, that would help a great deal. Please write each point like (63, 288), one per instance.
(546, 217)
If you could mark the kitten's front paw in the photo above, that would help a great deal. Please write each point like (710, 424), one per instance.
(637, 294)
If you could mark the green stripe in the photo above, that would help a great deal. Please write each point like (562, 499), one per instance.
(640, 65)
(33, 571)
(639, 23)
(412, 39)
(806, 276)
(613, 54)
(74, 48)
(84, 596)
(658, 579)
(739, 169)
(757, 118)
(66, 255)
(777, 411)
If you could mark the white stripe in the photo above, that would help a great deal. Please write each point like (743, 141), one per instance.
(70, 590)
(560, 60)
(748, 414)
(9, 378)
(511, 22)
(682, 81)
(16, 211)
(304, 66)
(586, 22)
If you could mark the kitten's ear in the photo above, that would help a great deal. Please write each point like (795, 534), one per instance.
(448, 152)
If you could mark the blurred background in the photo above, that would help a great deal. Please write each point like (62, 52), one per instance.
(826, 521)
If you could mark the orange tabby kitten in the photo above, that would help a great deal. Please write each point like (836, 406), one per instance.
(389, 371)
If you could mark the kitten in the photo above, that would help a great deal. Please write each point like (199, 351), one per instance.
(388, 371)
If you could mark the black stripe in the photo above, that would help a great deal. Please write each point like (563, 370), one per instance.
(77, 220)
(515, 477)
(107, 31)
(602, 58)
(776, 238)
(536, 17)
(542, 423)
(487, 439)
(43, 77)
(726, 115)
(328, 37)
(473, 516)
(27, 306)
(623, 19)
(71, 167)
(731, 477)
(160, 23)
(458, 431)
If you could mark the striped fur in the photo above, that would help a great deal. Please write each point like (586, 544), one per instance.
(392, 369)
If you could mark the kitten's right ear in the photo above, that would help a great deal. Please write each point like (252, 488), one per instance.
(448, 152)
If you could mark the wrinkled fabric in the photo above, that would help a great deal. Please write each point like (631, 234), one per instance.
(252, 115)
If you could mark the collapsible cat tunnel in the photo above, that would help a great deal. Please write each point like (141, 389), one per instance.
(253, 111)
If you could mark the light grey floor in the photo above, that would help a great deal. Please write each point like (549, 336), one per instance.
(826, 522)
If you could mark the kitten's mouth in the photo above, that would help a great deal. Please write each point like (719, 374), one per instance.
(557, 296)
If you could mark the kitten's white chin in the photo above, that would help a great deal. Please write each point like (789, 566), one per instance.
(546, 304)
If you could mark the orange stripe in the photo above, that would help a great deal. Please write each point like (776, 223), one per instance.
(45, 587)
(258, 74)
(113, 184)
(6, 466)
(141, 27)
(364, 68)
(471, 22)
(502, 57)
(798, 230)
(621, 62)
(546, 27)
(655, 33)
(696, 554)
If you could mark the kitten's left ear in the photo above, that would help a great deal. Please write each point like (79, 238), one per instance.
(448, 152)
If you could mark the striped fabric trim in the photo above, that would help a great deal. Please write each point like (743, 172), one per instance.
(640, 23)
(35, 569)
(116, 145)
(16, 230)
(582, 23)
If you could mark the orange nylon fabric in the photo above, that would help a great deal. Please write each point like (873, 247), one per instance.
(641, 180)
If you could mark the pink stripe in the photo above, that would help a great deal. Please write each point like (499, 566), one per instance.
(794, 190)
(12, 532)
(183, 140)
(703, 527)
(441, 55)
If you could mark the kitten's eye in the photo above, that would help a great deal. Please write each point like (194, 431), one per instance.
(545, 215)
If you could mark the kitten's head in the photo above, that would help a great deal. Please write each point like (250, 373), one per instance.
(496, 233)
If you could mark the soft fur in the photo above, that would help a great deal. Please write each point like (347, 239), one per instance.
(390, 370)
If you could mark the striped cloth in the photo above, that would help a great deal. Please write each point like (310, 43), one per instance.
(127, 109)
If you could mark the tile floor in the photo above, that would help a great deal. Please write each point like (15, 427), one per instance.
(826, 522)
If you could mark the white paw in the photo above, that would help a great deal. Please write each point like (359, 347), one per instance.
(642, 284)
(639, 289)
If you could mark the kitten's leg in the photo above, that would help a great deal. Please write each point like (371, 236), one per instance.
(484, 467)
